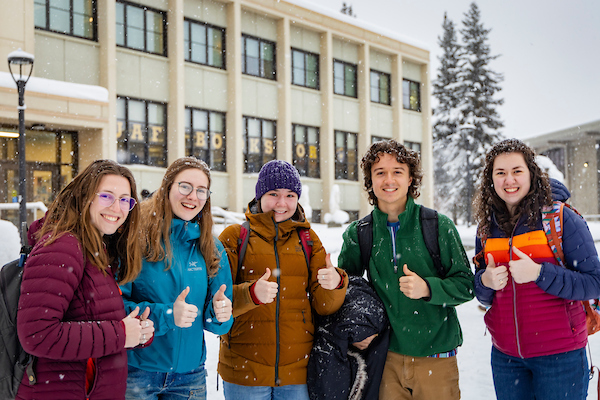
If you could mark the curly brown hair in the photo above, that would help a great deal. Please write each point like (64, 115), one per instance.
(158, 214)
(488, 203)
(70, 213)
(402, 154)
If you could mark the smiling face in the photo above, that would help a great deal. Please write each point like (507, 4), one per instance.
(391, 181)
(511, 178)
(108, 219)
(282, 201)
(187, 207)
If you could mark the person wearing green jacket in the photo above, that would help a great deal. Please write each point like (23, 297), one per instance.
(421, 360)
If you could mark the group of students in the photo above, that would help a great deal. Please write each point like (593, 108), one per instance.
(116, 294)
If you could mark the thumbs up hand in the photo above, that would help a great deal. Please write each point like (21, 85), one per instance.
(222, 305)
(524, 269)
(494, 277)
(183, 313)
(264, 290)
(328, 277)
(412, 285)
(132, 329)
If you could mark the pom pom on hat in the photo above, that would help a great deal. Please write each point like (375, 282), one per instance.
(278, 174)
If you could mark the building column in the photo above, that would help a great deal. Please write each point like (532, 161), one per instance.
(107, 40)
(327, 139)
(284, 92)
(364, 122)
(396, 95)
(235, 144)
(176, 107)
(427, 138)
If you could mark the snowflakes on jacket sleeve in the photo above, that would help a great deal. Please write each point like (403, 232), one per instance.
(53, 321)
(581, 279)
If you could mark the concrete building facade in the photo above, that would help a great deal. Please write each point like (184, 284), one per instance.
(235, 82)
(576, 153)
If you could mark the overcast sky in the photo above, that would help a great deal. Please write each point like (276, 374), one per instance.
(549, 52)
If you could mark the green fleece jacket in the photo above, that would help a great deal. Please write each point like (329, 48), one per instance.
(421, 327)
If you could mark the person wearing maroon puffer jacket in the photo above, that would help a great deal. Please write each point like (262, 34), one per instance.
(71, 316)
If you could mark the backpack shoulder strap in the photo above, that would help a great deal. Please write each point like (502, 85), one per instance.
(307, 244)
(552, 222)
(364, 230)
(430, 230)
(242, 244)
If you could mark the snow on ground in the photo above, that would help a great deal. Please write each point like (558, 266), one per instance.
(473, 357)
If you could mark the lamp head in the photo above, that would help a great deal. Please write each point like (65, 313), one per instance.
(22, 60)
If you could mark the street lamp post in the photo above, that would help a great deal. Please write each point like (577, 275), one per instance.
(24, 63)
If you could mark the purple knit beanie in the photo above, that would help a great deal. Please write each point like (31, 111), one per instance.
(278, 174)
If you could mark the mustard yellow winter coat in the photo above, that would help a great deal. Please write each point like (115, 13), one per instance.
(269, 344)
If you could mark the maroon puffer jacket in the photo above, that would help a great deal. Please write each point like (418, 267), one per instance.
(69, 312)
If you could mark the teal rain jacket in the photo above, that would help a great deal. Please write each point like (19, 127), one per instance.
(177, 349)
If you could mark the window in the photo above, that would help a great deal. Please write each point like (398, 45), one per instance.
(380, 87)
(557, 156)
(258, 57)
(71, 17)
(259, 143)
(346, 158)
(204, 44)
(141, 28)
(305, 69)
(411, 95)
(205, 137)
(378, 139)
(416, 146)
(344, 78)
(306, 150)
(141, 132)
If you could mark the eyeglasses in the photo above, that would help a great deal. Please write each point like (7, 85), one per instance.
(108, 199)
(186, 188)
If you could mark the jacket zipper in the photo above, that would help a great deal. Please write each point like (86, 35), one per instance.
(514, 287)
(277, 306)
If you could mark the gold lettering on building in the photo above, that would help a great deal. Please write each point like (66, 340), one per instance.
(254, 146)
(312, 152)
(268, 146)
(136, 134)
(200, 139)
(217, 141)
(120, 128)
(300, 151)
(156, 134)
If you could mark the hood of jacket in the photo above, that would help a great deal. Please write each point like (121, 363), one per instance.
(559, 190)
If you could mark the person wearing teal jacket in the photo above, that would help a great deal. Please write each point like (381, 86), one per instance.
(421, 361)
(186, 283)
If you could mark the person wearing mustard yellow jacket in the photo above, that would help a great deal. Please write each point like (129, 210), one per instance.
(275, 293)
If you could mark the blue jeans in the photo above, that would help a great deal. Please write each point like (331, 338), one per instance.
(558, 376)
(288, 392)
(146, 385)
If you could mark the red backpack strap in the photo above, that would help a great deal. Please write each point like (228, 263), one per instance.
(552, 222)
(307, 244)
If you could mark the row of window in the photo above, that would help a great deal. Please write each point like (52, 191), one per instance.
(142, 28)
(141, 138)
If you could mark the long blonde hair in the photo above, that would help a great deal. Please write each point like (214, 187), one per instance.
(158, 214)
(70, 213)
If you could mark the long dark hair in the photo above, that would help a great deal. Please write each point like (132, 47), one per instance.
(158, 214)
(487, 203)
(402, 154)
(70, 213)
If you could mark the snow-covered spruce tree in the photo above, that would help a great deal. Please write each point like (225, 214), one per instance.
(445, 114)
(480, 123)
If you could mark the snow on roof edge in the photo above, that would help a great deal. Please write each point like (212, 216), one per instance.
(59, 88)
(358, 22)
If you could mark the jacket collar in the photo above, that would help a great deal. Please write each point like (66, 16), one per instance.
(184, 230)
(264, 224)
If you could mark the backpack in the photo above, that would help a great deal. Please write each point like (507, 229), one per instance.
(14, 361)
(429, 227)
(245, 234)
(552, 221)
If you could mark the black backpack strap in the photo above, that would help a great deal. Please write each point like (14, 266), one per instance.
(364, 230)
(430, 229)
(242, 245)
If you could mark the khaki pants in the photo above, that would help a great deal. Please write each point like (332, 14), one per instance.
(419, 378)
